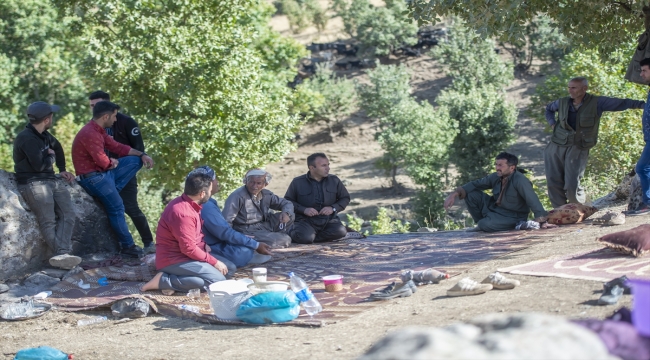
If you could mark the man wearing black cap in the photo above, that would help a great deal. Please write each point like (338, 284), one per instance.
(35, 152)
(126, 131)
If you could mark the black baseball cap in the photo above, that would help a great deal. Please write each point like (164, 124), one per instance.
(41, 109)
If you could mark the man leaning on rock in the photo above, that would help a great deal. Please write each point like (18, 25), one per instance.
(35, 152)
(247, 210)
(105, 177)
(317, 196)
(512, 198)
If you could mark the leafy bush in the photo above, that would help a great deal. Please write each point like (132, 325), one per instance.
(485, 122)
(303, 13)
(338, 94)
(620, 139)
(379, 29)
(541, 40)
(151, 199)
(385, 225)
(354, 223)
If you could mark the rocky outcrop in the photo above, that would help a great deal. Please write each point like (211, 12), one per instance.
(627, 192)
(22, 248)
(494, 336)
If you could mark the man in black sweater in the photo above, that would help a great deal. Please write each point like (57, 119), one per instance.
(126, 131)
(35, 152)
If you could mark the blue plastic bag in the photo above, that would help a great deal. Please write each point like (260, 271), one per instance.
(41, 353)
(270, 307)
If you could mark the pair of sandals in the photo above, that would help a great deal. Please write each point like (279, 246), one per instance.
(409, 284)
(495, 280)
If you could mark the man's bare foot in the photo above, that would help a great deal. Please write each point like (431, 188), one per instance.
(152, 284)
(168, 292)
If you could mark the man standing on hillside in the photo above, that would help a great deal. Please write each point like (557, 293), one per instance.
(247, 210)
(575, 132)
(104, 177)
(317, 196)
(35, 151)
(512, 197)
(126, 131)
(643, 165)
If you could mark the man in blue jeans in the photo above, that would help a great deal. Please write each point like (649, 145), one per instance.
(105, 177)
(643, 165)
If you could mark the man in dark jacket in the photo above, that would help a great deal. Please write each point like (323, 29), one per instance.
(35, 151)
(126, 131)
(512, 198)
(317, 197)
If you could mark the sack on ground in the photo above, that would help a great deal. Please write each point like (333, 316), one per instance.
(270, 307)
(635, 242)
(570, 214)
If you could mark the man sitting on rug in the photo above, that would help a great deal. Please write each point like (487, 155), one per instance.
(247, 210)
(317, 196)
(511, 201)
(227, 245)
(180, 250)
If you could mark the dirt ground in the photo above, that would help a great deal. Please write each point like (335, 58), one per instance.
(352, 158)
(157, 337)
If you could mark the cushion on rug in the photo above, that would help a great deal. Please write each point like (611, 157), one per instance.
(634, 241)
(570, 214)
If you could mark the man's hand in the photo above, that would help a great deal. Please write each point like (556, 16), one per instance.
(264, 249)
(50, 151)
(221, 267)
(284, 218)
(147, 161)
(553, 127)
(449, 201)
(310, 212)
(327, 210)
(207, 248)
(67, 176)
(541, 219)
(114, 163)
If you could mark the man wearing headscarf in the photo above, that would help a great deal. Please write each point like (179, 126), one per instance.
(249, 211)
(227, 245)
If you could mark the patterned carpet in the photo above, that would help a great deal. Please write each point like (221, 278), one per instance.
(366, 264)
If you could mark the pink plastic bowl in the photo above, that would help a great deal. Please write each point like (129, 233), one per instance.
(333, 283)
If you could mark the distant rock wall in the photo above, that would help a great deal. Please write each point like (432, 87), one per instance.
(22, 248)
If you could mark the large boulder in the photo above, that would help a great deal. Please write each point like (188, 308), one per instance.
(22, 249)
(494, 336)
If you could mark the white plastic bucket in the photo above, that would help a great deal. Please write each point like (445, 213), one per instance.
(225, 298)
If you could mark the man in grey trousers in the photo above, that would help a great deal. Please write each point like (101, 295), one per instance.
(575, 132)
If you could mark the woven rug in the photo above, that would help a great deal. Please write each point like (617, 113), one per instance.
(599, 265)
(366, 264)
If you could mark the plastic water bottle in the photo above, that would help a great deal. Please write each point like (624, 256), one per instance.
(93, 320)
(308, 300)
(191, 308)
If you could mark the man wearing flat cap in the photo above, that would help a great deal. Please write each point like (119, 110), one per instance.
(248, 210)
(34, 154)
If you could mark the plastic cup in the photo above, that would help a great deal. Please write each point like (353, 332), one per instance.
(333, 283)
(194, 293)
(259, 275)
(641, 309)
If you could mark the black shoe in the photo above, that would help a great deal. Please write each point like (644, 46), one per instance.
(611, 295)
(620, 282)
(641, 210)
(133, 251)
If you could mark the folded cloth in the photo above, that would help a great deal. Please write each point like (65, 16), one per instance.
(527, 225)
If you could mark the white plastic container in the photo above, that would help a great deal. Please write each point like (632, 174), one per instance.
(225, 298)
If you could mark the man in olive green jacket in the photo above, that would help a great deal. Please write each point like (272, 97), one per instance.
(574, 133)
(512, 197)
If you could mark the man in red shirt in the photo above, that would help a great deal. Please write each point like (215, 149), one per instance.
(104, 177)
(181, 255)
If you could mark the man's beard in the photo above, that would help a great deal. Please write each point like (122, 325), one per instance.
(204, 199)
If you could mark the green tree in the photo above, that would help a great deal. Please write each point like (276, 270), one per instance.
(602, 24)
(379, 29)
(40, 59)
(620, 139)
(303, 13)
(475, 101)
(338, 96)
(191, 73)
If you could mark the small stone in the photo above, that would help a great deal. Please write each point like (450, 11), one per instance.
(3, 288)
(57, 273)
(346, 182)
(41, 280)
(356, 202)
(76, 270)
(427, 229)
